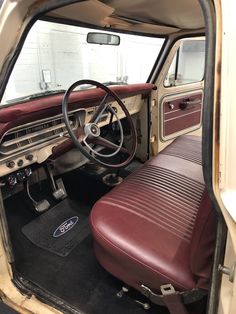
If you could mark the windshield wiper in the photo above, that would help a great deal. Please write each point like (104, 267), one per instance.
(37, 95)
(109, 83)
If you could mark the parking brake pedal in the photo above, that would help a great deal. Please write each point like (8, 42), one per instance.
(58, 188)
(40, 206)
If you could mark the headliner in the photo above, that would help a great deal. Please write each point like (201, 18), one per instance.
(159, 17)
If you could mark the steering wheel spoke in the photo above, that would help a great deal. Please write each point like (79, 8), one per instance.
(79, 134)
(101, 141)
(100, 110)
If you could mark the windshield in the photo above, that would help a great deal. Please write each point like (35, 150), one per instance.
(56, 55)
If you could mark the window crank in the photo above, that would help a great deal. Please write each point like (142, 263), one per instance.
(229, 271)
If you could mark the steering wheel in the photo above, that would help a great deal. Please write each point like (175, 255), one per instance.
(86, 136)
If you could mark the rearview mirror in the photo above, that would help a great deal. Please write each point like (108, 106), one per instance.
(103, 39)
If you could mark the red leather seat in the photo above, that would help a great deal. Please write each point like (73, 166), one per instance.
(158, 226)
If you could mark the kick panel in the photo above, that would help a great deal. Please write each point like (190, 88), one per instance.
(181, 114)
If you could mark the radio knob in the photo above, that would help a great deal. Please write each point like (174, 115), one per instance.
(10, 164)
(29, 157)
(20, 163)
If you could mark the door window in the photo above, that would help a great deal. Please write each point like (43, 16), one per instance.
(188, 63)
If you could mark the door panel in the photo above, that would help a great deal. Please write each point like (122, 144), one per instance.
(180, 114)
(177, 103)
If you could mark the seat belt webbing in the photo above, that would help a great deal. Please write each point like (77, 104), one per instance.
(174, 300)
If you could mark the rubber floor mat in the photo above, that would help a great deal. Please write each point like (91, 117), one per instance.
(60, 229)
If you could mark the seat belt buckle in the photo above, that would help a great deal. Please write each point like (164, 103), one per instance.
(172, 299)
(167, 289)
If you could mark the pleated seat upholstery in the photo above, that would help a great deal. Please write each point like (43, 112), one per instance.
(158, 226)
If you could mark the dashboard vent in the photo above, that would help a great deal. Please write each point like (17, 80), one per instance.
(23, 138)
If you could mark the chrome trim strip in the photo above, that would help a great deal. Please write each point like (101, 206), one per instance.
(40, 143)
(184, 115)
(34, 134)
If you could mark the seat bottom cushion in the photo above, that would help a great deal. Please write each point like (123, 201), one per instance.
(143, 228)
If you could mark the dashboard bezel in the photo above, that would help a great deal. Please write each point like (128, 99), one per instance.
(47, 109)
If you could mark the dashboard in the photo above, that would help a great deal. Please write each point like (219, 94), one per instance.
(33, 131)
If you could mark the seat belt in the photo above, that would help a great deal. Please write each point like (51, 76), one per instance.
(174, 300)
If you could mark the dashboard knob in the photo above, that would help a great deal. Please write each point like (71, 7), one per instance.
(29, 157)
(10, 164)
(20, 163)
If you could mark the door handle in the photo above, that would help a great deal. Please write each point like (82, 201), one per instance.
(186, 103)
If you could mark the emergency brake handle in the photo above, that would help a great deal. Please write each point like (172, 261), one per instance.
(187, 103)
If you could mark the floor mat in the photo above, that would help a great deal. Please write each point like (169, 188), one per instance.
(59, 230)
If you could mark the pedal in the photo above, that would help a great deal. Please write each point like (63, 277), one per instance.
(58, 188)
(60, 193)
(41, 206)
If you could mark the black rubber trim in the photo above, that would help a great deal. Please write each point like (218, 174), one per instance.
(207, 149)
(28, 288)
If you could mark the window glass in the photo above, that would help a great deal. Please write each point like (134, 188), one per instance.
(56, 55)
(188, 64)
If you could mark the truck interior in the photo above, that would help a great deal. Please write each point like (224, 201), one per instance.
(101, 164)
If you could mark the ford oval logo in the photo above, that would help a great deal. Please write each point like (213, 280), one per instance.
(65, 226)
